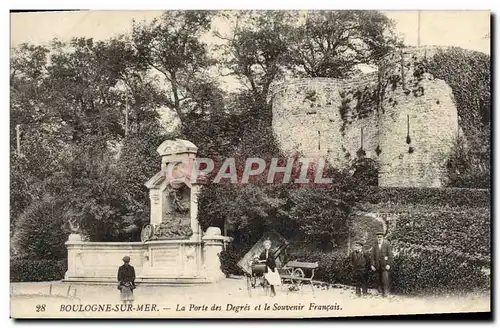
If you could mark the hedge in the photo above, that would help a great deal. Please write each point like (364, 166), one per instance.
(466, 231)
(22, 270)
(429, 196)
(424, 269)
(443, 235)
(415, 270)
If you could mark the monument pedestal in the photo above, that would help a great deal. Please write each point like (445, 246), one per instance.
(162, 262)
(174, 261)
(213, 245)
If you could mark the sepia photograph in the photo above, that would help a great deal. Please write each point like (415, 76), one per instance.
(250, 164)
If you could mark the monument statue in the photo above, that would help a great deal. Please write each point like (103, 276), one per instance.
(74, 226)
(75, 231)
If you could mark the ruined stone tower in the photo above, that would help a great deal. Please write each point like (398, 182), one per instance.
(401, 117)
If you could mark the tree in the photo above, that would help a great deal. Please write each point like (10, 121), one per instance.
(81, 90)
(251, 206)
(171, 45)
(27, 71)
(333, 43)
(141, 93)
(322, 215)
(256, 52)
(216, 135)
(137, 163)
(41, 134)
(72, 116)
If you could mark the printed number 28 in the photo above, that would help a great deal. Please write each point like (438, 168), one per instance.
(40, 308)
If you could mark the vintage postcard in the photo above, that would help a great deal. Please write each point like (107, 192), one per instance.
(249, 164)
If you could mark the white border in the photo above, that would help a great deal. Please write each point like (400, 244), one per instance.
(219, 4)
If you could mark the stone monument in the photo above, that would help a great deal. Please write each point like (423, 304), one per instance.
(173, 248)
(173, 199)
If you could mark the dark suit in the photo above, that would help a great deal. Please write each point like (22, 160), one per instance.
(270, 261)
(382, 256)
(360, 262)
(126, 275)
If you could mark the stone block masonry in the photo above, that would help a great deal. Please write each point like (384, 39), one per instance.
(400, 116)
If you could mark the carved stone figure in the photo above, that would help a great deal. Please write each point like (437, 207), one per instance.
(74, 226)
(147, 233)
(177, 201)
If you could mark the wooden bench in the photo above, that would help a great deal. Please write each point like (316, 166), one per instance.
(298, 272)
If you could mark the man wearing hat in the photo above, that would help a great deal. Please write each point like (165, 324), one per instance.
(360, 261)
(381, 262)
(126, 281)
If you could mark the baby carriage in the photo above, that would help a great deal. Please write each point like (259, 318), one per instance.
(254, 268)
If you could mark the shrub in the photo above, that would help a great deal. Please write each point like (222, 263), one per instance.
(39, 232)
(333, 267)
(469, 163)
(365, 171)
(471, 180)
(321, 216)
(229, 258)
(37, 270)
(364, 228)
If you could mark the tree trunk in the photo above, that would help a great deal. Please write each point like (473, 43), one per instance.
(403, 70)
(348, 242)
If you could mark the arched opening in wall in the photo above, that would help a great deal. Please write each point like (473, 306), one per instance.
(365, 171)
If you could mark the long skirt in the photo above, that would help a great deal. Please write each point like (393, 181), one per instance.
(273, 277)
(126, 294)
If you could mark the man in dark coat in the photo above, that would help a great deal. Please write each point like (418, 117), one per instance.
(381, 263)
(360, 263)
(126, 281)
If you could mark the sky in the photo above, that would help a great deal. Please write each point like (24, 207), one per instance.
(466, 29)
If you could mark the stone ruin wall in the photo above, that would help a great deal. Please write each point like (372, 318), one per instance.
(326, 117)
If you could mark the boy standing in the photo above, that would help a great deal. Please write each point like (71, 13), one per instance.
(360, 262)
(126, 281)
